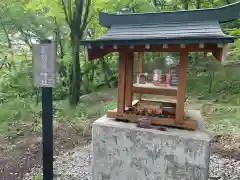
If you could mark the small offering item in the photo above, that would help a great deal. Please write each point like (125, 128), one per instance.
(169, 79)
(142, 78)
(174, 71)
(157, 73)
(158, 78)
(144, 123)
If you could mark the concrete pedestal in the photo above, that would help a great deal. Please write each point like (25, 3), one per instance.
(121, 151)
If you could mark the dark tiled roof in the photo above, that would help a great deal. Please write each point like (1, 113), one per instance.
(223, 14)
(180, 27)
(165, 33)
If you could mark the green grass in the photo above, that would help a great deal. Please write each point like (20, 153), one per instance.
(20, 114)
(223, 118)
(16, 114)
(38, 177)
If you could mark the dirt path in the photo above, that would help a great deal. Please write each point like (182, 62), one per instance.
(20, 155)
(76, 163)
(23, 152)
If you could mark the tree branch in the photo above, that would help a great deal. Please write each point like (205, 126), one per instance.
(6, 33)
(58, 37)
(66, 13)
(90, 19)
(70, 9)
(86, 15)
(213, 4)
(25, 37)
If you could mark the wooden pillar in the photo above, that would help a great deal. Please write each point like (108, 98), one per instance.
(121, 82)
(218, 54)
(140, 69)
(181, 87)
(129, 79)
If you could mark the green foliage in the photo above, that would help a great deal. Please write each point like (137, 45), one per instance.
(223, 118)
(19, 114)
(225, 83)
(38, 177)
(17, 84)
(22, 22)
(16, 114)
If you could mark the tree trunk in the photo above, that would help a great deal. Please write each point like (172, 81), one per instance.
(198, 5)
(105, 70)
(38, 94)
(210, 76)
(58, 38)
(227, 2)
(75, 80)
(62, 68)
(212, 3)
(92, 72)
(76, 17)
(205, 55)
(106, 80)
(186, 4)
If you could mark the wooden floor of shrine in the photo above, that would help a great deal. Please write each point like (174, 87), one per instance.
(126, 116)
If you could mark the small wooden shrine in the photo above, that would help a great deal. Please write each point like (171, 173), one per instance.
(181, 31)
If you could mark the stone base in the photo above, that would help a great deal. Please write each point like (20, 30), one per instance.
(122, 151)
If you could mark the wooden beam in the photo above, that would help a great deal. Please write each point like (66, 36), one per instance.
(201, 46)
(164, 103)
(140, 70)
(181, 87)
(140, 62)
(187, 124)
(121, 82)
(97, 51)
(129, 79)
(157, 91)
(112, 113)
(218, 54)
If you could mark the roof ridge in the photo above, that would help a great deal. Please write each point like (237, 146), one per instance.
(222, 14)
(172, 22)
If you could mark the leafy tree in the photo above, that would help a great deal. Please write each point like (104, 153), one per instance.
(68, 21)
(76, 15)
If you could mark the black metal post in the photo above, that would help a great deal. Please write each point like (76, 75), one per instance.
(47, 130)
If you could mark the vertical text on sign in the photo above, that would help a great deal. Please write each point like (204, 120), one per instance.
(44, 64)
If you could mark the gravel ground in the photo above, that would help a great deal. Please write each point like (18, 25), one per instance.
(223, 168)
(76, 165)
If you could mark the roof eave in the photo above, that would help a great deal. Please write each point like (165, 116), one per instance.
(223, 40)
